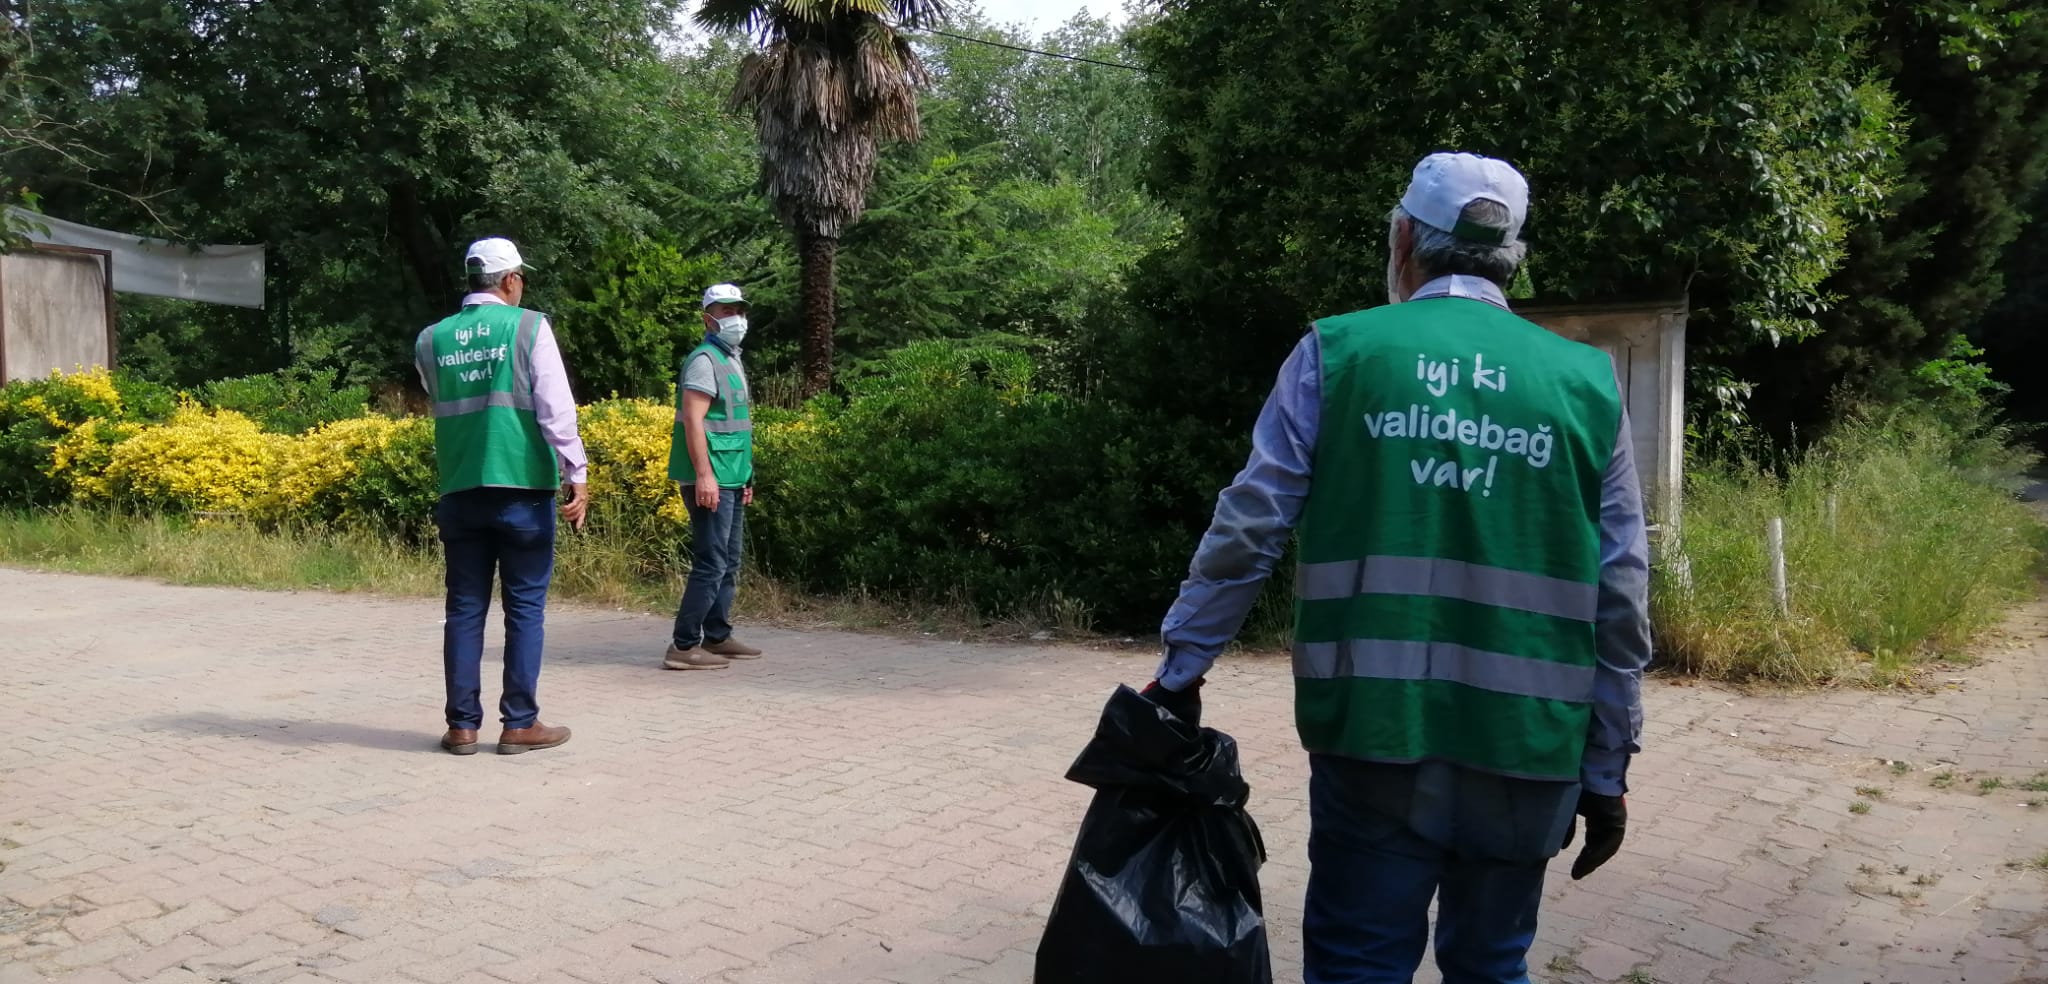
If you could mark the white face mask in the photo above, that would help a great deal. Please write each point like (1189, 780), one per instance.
(733, 328)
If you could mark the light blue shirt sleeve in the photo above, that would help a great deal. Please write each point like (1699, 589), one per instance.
(1621, 628)
(1254, 518)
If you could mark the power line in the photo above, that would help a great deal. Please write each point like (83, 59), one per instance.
(1035, 51)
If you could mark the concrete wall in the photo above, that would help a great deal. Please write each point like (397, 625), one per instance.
(56, 312)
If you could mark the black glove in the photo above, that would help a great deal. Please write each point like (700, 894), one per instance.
(1185, 703)
(1606, 820)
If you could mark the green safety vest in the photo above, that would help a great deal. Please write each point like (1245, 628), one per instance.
(1450, 544)
(478, 367)
(728, 426)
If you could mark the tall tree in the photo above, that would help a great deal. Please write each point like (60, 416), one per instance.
(1969, 75)
(1719, 147)
(1085, 116)
(29, 136)
(832, 81)
(2014, 332)
(364, 143)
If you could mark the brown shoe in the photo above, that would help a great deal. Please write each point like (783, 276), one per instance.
(516, 740)
(461, 741)
(733, 649)
(691, 659)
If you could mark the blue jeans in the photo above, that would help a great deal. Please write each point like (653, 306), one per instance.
(509, 534)
(705, 614)
(1369, 885)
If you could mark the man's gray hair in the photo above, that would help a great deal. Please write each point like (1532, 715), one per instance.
(479, 282)
(1439, 254)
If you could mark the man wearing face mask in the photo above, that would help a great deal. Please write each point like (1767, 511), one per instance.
(1471, 617)
(711, 452)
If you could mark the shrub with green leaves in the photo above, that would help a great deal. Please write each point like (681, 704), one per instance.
(37, 414)
(950, 475)
(288, 401)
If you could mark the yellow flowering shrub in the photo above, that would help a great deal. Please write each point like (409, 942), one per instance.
(38, 414)
(93, 388)
(200, 460)
(318, 471)
(374, 472)
(628, 444)
(81, 457)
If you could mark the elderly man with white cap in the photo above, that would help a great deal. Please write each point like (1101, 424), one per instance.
(504, 432)
(1471, 617)
(711, 453)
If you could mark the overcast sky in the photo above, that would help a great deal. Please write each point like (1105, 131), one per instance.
(1044, 15)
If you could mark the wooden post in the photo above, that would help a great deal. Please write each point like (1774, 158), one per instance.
(1776, 537)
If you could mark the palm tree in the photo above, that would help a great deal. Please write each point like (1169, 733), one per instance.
(831, 81)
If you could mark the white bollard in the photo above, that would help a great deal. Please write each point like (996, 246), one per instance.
(1776, 537)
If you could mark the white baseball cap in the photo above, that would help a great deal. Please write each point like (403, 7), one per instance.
(1445, 183)
(723, 294)
(493, 256)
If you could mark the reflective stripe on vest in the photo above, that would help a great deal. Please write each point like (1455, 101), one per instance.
(1440, 578)
(1389, 659)
(720, 418)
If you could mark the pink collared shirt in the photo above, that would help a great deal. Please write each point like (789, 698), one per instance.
(554, 407)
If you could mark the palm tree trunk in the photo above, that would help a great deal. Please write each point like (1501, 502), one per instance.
(820, 258)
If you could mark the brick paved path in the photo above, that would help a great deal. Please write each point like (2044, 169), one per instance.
(210, 785)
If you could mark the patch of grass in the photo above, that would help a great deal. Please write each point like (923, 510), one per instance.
(594, 567)
(1859, 807)
(2030, 864)
(1987, 785)
(1901, 768)
(1561, 964)
(1943, 779)
(2034, 803)
(1870, 792)
(2038, 784)
(1896, 552)
(1927, 879)
(216, 552)
(1638, 976)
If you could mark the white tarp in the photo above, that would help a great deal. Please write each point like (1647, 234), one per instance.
(214, 274)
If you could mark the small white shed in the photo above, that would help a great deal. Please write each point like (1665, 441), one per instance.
(1646, 340)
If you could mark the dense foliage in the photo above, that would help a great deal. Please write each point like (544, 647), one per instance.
(1053, 314)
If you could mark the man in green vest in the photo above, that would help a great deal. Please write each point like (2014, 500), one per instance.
(504, 430)
(1471, 619)
(711, 453)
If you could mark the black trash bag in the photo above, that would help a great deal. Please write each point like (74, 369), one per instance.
(1164, 881)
